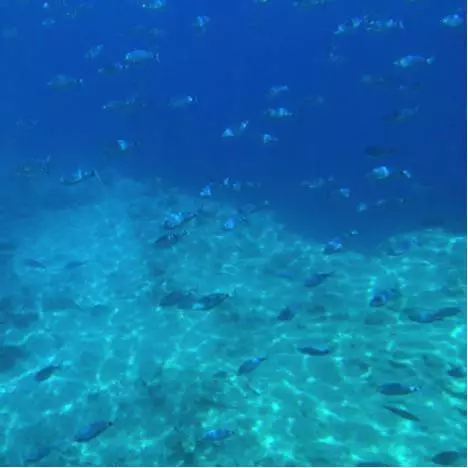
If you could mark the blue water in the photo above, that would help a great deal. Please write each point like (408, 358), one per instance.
(246, 48)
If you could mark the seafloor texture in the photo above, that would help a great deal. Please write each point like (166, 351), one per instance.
(86, 289)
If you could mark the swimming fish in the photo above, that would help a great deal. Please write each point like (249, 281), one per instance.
(92, 430)
(402, 413)
(314, 350)
(217, 435)
(210, 301)
(286, 314)
(430, 316)
(141, 56)
(46, 372)
(250, 365)
(32, 263)
(37, 454)
(169, 240)
(384, 296)
(397, 389)
(316, 279)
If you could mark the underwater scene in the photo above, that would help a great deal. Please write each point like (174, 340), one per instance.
(233, 233)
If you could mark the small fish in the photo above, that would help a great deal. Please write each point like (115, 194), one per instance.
(31, 263)
(217, 435)
(250, 365)
(235, 130)
(316, 279)
(457, 372)
(37, 454)
(182, 299)
(333, 246)
(430, 316)
(46, 372)
(384, 296)
(397, 389)
(314, 350)
(169, 240)
(179, 218)
(92, 430)
(140, 56)
(286, 314)
(402, 413)
(447, 458)
(402, 114)
(73, 264)
(453, 20)
(64, 81)
(209, 301)
(372, 464)
(375, 151)
(179, 102)
(411, 60)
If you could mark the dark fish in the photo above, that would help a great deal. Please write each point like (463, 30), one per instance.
(314, 350)
(457, 372)
(168, 240)
(175, 220)
(402, 413)
(446, 458)
(400, 115)
(430, 316)
(220, 375)
(397, 389)
(383, 297)
(286, 314)
(31, 263)
(72, 264)
(216, 435)
(46, 373)
(316, 279)
(375, 151)
(372, 464)
(92, 430)
(209, 301)
(182, 299)
(38, 454)
(395, 249)
(250, 365)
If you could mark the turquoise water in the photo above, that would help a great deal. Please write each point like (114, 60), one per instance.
(164, 376)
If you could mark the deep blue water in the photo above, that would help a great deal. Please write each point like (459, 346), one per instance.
(246, 49)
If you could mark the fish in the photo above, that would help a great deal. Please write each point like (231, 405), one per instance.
(402, 413)
(210, 301)
(314, 350)
(169, 240)
(73, 264)
(181, 299)
(140, 56)
(446, 458)
(37, 454)
(286, 314)
(179, 218)
(430, 316)
(317, 279)
(32, 263)
(384, 296)
(217, 435)
(92, 430)
(375, 151)
(397, 389)
(250, 365)
(46, 372)
(372, 464)
(411, 60)
(457, 372)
